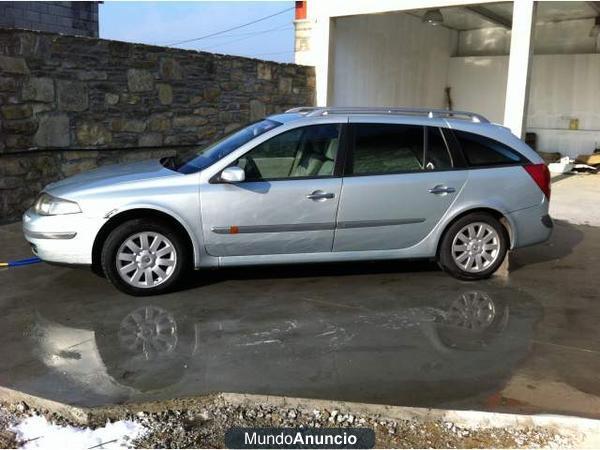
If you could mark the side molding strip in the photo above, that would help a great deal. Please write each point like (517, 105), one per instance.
(377, 223)
(235, 229)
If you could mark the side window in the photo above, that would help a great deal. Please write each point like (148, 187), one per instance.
(302, 152)
(386, 148)
(483, 151)
(437, 156)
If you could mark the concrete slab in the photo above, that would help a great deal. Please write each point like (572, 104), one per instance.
(390, 333)
(576, 199)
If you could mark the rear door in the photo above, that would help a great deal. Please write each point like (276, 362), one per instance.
(399, 181)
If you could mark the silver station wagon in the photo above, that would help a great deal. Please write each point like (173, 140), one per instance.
(309, 185)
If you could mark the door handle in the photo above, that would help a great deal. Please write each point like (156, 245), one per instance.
(441, 189)
(320, 195)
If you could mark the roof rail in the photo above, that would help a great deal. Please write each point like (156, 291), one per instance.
(312, 111)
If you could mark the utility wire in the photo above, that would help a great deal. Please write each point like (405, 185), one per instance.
(247, 37)
(230, 29)
(249, 33)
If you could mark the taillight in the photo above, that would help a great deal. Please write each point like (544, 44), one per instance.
(541, 176)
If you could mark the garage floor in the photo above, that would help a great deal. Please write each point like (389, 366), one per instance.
(393, 333)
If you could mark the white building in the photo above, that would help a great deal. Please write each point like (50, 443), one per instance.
(532, 65)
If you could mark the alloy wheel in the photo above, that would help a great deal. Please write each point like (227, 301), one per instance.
(146, 259)
(476, 247)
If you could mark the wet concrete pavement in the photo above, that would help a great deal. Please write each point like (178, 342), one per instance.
(393, 333)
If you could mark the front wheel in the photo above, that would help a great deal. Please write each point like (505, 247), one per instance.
(473, 247)
(143, 257)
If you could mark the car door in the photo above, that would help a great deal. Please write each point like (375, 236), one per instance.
(399, 181)
(287, 202)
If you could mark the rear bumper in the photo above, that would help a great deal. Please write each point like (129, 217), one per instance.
(67, 239)
(531, 225)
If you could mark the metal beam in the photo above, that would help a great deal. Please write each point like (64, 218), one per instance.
(595, 6)
(491, 16)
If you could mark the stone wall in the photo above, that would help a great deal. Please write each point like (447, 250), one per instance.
(69, 104)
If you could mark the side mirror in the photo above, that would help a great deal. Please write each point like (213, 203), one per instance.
(233, 174)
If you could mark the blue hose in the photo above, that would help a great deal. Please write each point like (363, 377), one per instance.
(21, 262)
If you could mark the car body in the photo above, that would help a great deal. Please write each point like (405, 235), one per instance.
(374, 197)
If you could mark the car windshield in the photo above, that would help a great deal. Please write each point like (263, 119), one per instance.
(204, 158)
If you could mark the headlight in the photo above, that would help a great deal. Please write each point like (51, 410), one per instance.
(47, 205)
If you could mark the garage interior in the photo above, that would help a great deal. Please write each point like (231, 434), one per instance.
(458, 58)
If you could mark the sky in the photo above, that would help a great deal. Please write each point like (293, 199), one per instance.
(168, 22)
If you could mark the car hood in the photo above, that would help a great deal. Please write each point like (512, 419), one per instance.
(110, 175)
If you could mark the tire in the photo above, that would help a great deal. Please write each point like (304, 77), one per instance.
(479, 236)
(133, 241)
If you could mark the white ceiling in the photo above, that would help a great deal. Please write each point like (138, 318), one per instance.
(461, 18)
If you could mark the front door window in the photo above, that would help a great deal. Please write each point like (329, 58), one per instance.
(302, 152)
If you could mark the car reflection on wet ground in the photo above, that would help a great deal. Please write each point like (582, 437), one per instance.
(392, 333)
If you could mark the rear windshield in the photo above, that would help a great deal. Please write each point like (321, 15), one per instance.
(207, 156)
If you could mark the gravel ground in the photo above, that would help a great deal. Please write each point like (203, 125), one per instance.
(202, 423)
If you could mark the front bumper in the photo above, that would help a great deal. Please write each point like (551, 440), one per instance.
(65, 239)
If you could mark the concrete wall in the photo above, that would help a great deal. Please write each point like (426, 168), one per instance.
(77, 18)
(566, 37)
(389, 60)
(562, 87)
(69, 104)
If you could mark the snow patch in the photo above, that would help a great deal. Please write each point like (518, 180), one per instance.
(37, 432)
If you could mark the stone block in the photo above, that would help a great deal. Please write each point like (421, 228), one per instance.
(204, 111)
(130, 99)
(212, 93)
(74, 167)
(150, 140)
(92, 134)
(10, 64)
(53, 131)
(285, 85)
(41, 108)
(18, 141)
(165, 94)
(79, 154)
(95, 75)
(140, 80)
(10, 182)
(208, 132)
(232, 127)
(111, 99)
(189, 121)
(263, 71)
(127, 125)
(159, 122)
(170, 69)
(72, 95)
(7, 84)
(257, 110)
(14, 112)
(20, 126)
(14, 167)
(38, 90)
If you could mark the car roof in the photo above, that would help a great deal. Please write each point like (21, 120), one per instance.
(317, 111)
(457, 120)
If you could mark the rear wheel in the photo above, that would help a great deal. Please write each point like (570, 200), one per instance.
(473, 247)
(144, 257)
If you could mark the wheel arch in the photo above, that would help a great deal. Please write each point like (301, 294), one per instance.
(500, 216)
(136, 213)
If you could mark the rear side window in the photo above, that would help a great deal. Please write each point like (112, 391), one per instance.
(483, 151)
(392, 148)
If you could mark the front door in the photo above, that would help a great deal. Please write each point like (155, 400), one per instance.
(399, 182)
(287, 202)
